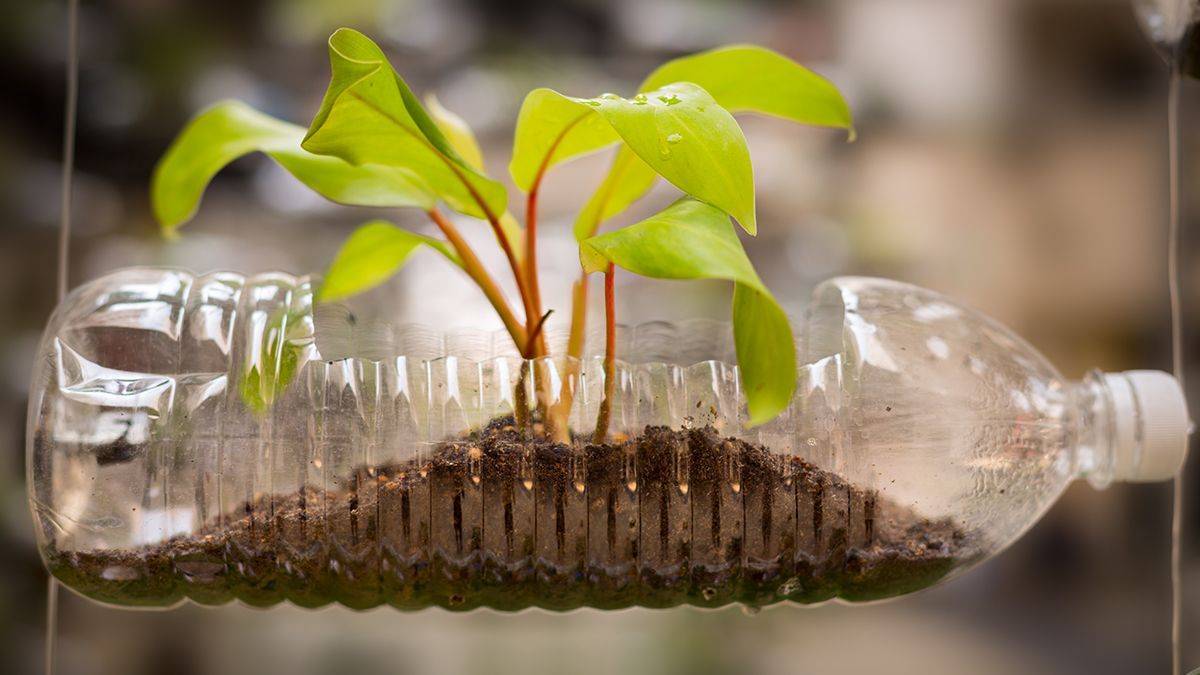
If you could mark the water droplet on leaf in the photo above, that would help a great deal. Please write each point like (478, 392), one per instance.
(674, 138)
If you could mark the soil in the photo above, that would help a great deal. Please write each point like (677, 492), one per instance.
(494, 519)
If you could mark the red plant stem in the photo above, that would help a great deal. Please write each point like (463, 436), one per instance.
(518, 274)
(505, 244)
(610, 355)
(478, 273)
(534, 307)
(531, 271)
(453, 166)
(537, 331)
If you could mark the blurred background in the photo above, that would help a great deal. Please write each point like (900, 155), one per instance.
(1010, 153)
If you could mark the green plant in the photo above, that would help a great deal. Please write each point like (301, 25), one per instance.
(372, 143)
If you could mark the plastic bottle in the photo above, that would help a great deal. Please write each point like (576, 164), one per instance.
(195, 437)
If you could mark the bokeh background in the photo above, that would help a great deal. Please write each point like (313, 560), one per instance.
(1011, 153)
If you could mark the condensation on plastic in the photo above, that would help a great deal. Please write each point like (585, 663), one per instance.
(140, 433)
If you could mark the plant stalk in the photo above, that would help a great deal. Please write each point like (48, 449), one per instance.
(561, 410)
(575, 341)
(576, 338)
(532, 284)
(498, 230)
(610, 355)
(534, 308)
(479, 274)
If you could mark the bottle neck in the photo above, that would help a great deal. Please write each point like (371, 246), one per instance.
(1095, 425)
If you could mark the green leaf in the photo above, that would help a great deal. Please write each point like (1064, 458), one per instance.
(372, 254)
(229, 130)
(746, 78)
(456, 131)
(260, 387)
(742, 78)
(678, 131)
(693, 240)
(370, 116)
(270, 368)
(552, 128)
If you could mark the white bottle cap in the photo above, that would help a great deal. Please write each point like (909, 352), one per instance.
(1151, 425)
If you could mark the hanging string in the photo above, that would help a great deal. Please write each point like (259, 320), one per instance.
(51, 622)
(68, 144)
(1176, 351)
(64, 251)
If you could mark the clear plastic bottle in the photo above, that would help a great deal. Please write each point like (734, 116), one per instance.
(194, 436)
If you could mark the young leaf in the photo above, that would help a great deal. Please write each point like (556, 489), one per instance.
(456, 131)
(370, 116)
(678, 131)
(552, 128)
(742, 78)
(746, 78)
(372, 254)
(693, 240)
(689, 139)
(229, 130)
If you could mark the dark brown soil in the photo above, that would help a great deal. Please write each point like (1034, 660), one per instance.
(492, 519)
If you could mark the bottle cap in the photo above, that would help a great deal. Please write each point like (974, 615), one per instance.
(1151, 425)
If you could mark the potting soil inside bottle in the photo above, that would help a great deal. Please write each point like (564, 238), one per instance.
(491, 519)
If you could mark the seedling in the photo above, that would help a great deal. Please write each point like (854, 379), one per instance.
(372, 143)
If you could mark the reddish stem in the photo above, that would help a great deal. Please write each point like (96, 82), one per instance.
(531, 272)
(498, 230)
(537, 331)
(475, 269)
(533, 308)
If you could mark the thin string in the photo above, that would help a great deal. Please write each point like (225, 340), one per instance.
(1176, 354)
(51, 622)
(68, 143)
(64, 251)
